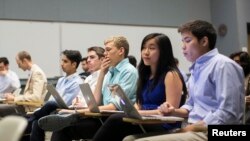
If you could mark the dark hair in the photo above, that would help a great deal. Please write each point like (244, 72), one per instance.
(99, 51)
(244, 61)
(165, 63)
(132, 60)
(73, 56)
(4, 60)
(84, 59)
(200, 29)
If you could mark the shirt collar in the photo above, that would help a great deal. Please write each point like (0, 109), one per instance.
(119, 66)
(204, 58)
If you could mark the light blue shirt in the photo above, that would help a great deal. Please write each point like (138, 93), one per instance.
(216, 90)
(126, 76)
(68, 87)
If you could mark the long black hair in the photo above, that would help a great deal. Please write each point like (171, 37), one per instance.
(165, 63)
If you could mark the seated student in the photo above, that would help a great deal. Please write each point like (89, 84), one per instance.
(216, 89)
(243, 59)
(94, 60)
(35, 88)
(115, 69)
(9, 80)
(85, 68)
(159, 81)
(67, 86)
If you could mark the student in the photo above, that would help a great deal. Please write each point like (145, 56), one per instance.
(115, 69)
(67, 86)
(159, 81)
(216, 89)
(35, 88)
(94, 60)
(9, 80)
(243, 59)
(85, 68)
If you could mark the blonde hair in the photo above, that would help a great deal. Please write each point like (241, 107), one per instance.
(119, 41)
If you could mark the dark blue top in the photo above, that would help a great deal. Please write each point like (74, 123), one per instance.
(152, 99)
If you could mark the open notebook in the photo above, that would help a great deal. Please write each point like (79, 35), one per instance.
(131, 112)
(91, 102)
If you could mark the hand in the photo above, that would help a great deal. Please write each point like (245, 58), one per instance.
(166, 109)
(197, 127)
(9, 97)
(105, 65)
(77, 102)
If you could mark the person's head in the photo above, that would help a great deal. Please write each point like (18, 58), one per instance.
(23, 60)
(243, 59)
(4, 63)
(84, 64)
(95, 57)
(156, 57)
(70, 60)
(132, 60)
(198, 37)
(116, 49)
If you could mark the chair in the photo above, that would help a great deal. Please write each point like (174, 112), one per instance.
(12, 128)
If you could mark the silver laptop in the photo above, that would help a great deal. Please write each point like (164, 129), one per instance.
(59, 100)
(131, 112)
(89, 98)
(17, 92)
(91, 102)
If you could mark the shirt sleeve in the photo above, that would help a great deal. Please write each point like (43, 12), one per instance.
(230, 94)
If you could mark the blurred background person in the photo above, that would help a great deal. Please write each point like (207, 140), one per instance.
(85, 68)
(9, 80)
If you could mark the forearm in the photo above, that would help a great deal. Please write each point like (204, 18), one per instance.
(98, 89)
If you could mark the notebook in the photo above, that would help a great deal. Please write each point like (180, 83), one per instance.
(59, 100)
(131, 112)
(91, 102)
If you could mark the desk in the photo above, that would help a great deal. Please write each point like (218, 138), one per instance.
(147, 121)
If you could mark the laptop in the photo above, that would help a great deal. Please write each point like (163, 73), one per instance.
(59, 100)
(89, 98)
(131, 112)
(91, 102)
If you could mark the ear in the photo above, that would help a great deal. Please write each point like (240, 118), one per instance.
(74, 64)
(204, 41)
(121, 51)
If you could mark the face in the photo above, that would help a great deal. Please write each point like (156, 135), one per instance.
(2, 67)
(192, 49)
(84, 65)
(237, 59)
(94, 62)
(67, 66)
(21, 64)
(150, 53)
(113, 53)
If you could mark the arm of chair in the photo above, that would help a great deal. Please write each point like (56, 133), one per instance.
(149, 121)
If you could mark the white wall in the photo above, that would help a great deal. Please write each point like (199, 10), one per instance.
(46, 40)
